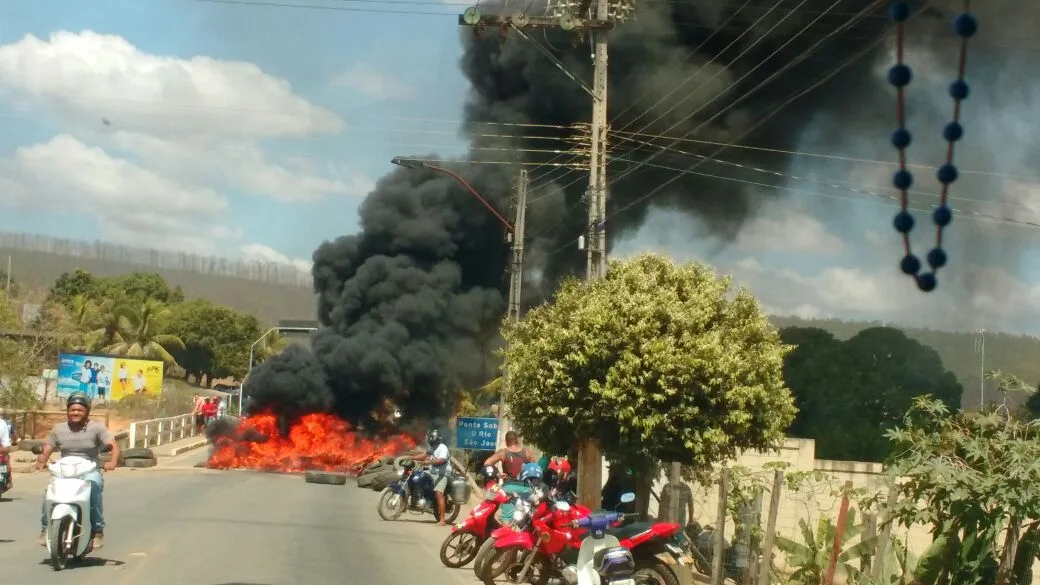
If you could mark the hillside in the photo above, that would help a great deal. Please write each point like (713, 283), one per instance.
(1014, 354)
(270, 302)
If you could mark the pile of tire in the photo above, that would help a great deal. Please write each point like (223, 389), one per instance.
(379, 474)
(135, 458)
(325, 477)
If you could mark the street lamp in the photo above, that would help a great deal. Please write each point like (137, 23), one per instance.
(414, 163)
(242, 390)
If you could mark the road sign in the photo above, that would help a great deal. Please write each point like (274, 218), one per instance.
(477, 433)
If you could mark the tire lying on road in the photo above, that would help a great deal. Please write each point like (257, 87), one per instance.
(325, 477)
(378, 480)
(138, 453)
(139, 463)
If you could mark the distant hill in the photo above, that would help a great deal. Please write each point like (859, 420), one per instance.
(1013, 354)
(270, 291)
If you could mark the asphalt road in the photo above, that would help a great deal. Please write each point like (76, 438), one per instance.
(201, 527)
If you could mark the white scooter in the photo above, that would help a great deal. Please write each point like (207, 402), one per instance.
(68, 500)
(601, 559)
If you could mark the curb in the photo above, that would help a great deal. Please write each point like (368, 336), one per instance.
(191, 447)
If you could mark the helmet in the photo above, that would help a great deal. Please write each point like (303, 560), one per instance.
(489, 473)
(78, 398)
(530, 471)
(433, 437)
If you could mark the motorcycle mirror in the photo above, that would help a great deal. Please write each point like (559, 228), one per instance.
(628, 497)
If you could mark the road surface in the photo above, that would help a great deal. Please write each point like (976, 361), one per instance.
(179, 525)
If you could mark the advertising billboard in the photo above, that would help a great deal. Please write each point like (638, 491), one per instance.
(108, 378)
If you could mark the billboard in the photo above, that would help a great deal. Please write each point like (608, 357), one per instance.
(107, 377)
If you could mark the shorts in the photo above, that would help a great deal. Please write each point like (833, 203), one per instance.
(441, 484)
(200, 420)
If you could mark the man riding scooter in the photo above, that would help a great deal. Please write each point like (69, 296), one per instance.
(79, 436)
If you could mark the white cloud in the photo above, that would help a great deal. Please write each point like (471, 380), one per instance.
(369, 82)
(94, 77)
(788, 231)
(132, 205)
(261, 253)
(243, 166)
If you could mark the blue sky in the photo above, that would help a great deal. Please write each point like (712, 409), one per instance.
(241, 130)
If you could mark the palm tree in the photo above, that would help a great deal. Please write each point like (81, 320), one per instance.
(106, 322)
(140, 334)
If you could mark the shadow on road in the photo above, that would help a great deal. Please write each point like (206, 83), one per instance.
(88, 562)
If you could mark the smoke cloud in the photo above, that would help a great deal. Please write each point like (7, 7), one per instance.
(291, 384)
(410, 306)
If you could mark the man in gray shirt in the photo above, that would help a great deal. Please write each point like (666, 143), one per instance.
(81, 437)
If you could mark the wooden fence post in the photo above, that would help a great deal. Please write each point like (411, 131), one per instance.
(839, 535)
(720, 530)
(770, 537)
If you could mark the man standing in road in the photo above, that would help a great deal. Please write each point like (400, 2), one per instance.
(81, 437)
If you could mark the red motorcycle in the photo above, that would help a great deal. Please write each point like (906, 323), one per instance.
(657, 554)
(462, 544)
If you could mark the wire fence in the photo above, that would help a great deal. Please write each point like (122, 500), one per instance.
(266, 272)
(783, 527)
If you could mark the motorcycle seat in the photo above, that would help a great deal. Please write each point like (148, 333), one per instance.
(629, 530)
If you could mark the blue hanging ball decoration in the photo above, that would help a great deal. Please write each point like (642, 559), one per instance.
(959, 90)
(947, 174)
(942, 216)
(899, 11)
(902, 179)
(966, 25)
(903, 222)
(910, 264)
(927, 281)
(953, 132)
(936, 258)
(901, 138)
(900, 75)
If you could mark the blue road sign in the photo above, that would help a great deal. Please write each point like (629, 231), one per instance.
(476, 433)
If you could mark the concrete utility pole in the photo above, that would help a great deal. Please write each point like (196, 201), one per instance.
(516, 277)
(574, 15)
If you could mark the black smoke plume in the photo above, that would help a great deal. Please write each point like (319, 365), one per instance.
(411, 304)
(291, 384)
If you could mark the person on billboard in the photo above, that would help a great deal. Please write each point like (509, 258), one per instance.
(104, 383)
(92, 385)
(84, 376)
(139, 386)
(123, 377)
(81, 437)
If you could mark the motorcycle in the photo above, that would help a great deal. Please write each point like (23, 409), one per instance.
(462, 544)
(601, 559)
(413, 491)
(5, 473)
(523, 509)
(702, 548)
(68, 501)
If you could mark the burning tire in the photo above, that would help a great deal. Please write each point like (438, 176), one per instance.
(459, 549)
(391, 505)
(138, 453)
(378, 479)
(139, 463)
(325, 478)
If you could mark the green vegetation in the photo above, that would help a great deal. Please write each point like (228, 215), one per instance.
(656, 362)
(848, 392)
(136, 315)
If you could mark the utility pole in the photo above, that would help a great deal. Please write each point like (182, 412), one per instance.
(980, 348)
(7, 288)
(516, 277)
(573, 15)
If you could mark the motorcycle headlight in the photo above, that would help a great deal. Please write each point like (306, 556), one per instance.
(518, 515)
(400, 472)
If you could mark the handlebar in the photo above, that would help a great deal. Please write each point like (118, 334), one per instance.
(603, 520)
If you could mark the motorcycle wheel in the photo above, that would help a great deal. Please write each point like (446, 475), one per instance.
(56, 533)
(451, 511)
(459, 549)
(388, 510)
(483, 554)
(505, 564)
(655, 572)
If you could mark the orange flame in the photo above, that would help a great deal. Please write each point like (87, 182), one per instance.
(315, 442)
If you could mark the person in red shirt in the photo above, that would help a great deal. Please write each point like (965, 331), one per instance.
(209, 410)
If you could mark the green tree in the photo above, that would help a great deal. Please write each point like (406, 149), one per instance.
(78, 283)
(216, 339)
(974, 478)
(26, 348)
(15, 289)
(143, 333)
(849, 391)
(656, 362)
(138, 287)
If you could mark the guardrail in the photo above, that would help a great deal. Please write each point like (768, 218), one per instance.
(158, 431)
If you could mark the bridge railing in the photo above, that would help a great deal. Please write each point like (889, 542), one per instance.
(159, 431)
